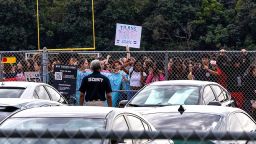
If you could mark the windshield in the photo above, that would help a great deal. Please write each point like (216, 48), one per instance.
(54, 123)
(186, 121)
(10, 92)
(167, 95)
(3, 115)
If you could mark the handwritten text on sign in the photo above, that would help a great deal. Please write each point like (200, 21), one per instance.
(128, 35)
(33, 76)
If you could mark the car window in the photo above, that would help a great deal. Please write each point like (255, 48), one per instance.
(35, 95)
(239, 122)
(167, 95)
(55, 96)
(62, 100)
(146, 126)
(11, 92)
(42, 93)
(136, 125)
(120, 124)
(4, 114)
(220, 93)
(208, 95)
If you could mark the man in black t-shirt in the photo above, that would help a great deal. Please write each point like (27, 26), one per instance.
(95, 88)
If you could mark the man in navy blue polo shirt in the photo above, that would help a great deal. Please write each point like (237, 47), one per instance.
(95, 88)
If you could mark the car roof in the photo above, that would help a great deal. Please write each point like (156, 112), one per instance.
(68, 111)
(217, 110)
(183, 82)
(23, 84)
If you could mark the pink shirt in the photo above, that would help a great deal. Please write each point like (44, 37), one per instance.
(151, 78)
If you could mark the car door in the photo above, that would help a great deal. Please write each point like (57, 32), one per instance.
(41, 93)
(120, 124)
(208, 95)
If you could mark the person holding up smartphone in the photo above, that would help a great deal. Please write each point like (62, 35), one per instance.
(208, 71)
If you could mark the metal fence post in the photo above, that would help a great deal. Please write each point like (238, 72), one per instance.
(45, 67)
(1, 68)
(166, 60)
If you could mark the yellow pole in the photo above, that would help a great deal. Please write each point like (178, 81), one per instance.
(93, 27)
(69, 49)
(38, 28)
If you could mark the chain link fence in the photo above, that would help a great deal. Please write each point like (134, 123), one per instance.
(114, 137)
(129, 71)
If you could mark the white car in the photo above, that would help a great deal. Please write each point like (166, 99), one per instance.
(30, 90)
(11, 105)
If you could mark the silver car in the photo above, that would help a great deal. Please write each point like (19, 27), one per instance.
(181, 92)
(81, 118)
(199, 118)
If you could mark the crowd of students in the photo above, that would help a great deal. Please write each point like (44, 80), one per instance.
(235, 72)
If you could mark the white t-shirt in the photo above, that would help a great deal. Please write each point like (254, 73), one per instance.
(135, 78)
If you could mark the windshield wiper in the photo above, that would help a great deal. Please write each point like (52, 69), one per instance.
(135, 105)
(151, 105)
(162, 105)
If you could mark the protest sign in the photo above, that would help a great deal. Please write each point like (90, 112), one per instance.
(128, 35)
(33, 76)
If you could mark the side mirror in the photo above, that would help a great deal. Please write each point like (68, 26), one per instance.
(233, 102)
(215, 103)
(122, 103)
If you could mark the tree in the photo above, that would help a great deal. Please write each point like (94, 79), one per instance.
(108, 14)
(18, 25)
(166, 24)
(246, 20)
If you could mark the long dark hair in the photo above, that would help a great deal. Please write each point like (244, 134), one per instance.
(24, 66)
(31, 62)
(251, 68)
(159, 66)
(137, 62)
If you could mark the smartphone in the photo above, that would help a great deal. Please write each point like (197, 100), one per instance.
(213, 62)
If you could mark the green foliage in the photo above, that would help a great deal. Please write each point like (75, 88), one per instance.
(246, 20)
(17, 27)
(167, 24)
